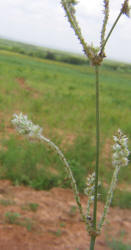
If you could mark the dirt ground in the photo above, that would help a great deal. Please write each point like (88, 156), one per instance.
(49, 220)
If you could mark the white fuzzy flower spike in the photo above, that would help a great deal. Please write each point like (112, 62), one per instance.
(90, 191)
(25, 126)
(121, 152)
(119, 159)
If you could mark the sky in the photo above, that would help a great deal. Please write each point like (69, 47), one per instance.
(43, 22)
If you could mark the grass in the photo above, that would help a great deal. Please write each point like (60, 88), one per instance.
(41, 52)
(60, 98)
(118, 245)
(72, 211)
(58, 232)
(30, 206)
(12, 217)
(33, 206)
(6, 202)
(16, 218)
(120, 199)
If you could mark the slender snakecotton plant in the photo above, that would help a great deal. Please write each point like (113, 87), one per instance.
(120, 148)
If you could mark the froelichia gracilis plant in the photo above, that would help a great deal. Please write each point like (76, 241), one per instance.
(119, 159)
(120, 148)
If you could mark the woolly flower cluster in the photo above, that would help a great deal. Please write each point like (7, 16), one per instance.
(121, 152)
(126, 8)
(73, 2)
(25, 126)
(90, 189)
(70, 4)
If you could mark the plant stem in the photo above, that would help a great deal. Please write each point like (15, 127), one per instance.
(70, 174)
(109, 196)
(92, 244)
(109, 34)
(97, 156)
(97, 145)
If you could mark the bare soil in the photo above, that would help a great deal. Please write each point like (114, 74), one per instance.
(21, 81)
(56, 224)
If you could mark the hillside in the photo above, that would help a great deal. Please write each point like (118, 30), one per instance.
(60, 97)
(49, 220)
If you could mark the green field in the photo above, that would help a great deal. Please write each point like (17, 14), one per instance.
(60, 97)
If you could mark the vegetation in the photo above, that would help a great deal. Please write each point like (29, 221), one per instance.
(17, 219)
(26, 127)
(119, 245)
(31, 85)
(56, 55)
(6, 202)
(120, 147)
(43, 53)
(12, 217)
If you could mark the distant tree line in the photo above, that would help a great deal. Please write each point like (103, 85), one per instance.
(35, 51)
(44, 53)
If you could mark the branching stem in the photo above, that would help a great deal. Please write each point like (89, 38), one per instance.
(69, 172)
(110, 32)
(106, 16)
(109, 196)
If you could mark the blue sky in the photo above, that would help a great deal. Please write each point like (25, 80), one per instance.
(43, 22)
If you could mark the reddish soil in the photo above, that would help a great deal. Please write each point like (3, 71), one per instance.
(68, 139)
(21, 81)
(56, 224)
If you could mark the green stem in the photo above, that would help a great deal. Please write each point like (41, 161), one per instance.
(70, 174)
(106, 16)
(92, 244)
(110, 32)
(109, 197)
(97, 156)
(97, 146)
